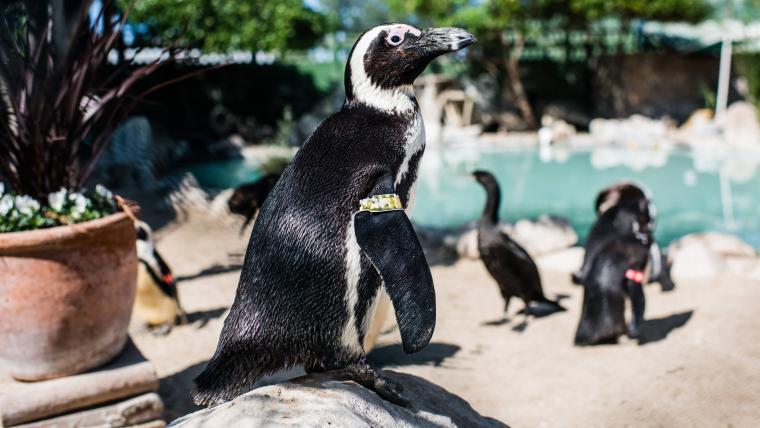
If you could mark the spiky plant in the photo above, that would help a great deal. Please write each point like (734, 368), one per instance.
(60, 100)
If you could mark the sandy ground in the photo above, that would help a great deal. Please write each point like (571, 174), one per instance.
(697, 364)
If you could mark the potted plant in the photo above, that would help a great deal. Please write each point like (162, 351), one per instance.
(67, 255)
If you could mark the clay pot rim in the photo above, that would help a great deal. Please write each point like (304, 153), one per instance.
(47, 236)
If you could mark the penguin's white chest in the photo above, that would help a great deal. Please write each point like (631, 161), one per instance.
(414, 137)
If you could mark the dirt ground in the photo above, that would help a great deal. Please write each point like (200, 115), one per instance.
(696, 365)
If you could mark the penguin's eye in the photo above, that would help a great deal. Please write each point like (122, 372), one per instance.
(395, 37)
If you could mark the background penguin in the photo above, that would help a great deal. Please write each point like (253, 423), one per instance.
(315, 263)
(658, 267)
(616, 271)
(507, 262)
(247, 199)
(156, 303)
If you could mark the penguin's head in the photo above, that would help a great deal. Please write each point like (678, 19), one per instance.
(485, 178)
(386, 59)
(145, 245)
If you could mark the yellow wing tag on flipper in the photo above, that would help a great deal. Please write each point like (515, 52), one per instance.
(381, 203)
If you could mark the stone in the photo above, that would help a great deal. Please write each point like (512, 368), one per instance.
(740, 124)
(319, 400)
(544, 235)
(710, 254)
(146, 408)
(130, 374)
(566, 261)
(541, 236)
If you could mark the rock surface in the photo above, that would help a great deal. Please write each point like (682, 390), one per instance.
(712, 254)
(319, 400)
(544, 235)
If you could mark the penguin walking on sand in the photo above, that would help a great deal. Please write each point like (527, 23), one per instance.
(157, 301)
(334, 230)
(508, 263)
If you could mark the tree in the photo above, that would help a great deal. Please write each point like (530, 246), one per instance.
(223, 25)
(503, 27)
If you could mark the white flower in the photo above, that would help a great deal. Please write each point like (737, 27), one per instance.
(57, 199)
(26, 205)
(102, 191)
(6, 203)
(80, 204)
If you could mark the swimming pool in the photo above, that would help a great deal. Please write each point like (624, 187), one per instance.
(693, 191)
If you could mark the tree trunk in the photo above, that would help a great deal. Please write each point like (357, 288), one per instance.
(512, 65)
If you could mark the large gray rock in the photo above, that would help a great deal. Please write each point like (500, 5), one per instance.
(319, 400)
(711, 254)
(544, 235)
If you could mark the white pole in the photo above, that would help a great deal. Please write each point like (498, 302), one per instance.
(724, 78)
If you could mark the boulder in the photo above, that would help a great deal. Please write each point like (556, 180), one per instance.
(711, 254)
(544, 235)
(319, 400)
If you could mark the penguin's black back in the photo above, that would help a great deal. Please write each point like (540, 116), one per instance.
(290, 304)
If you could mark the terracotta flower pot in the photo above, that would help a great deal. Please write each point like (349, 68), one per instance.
(66, 295)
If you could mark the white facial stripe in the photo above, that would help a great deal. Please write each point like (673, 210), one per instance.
(391, 100)
(415, 141)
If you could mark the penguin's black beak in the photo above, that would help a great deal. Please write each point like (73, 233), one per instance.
(438, 41)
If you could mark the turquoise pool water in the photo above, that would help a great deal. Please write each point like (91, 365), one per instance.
(692, 192)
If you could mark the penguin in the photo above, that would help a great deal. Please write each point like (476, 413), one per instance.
(246, 199)
(658, 267)
(508, 263)
(615, 272)
(157, 301)
(334, 230)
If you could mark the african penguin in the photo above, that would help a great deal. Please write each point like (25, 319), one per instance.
(658, 267)
(508, 263)
(156, 303)
(615, 271)
(315, 262)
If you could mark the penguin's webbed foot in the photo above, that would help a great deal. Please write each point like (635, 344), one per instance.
(161, 329)
(372, 379)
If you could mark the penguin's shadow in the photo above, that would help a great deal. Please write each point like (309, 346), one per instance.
(393, 355)
(655, 330)
(203, 317)
(212, 270)
(537, 311)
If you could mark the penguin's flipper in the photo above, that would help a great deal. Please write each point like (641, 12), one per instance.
(388, 240)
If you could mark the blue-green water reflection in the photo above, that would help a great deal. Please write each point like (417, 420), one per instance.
(687, 189)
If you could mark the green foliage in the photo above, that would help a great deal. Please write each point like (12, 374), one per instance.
(748, 66)
(21, 212)
(223, 25)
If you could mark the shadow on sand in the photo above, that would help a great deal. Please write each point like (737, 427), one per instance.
(393, 355)
(213, 270)
(539, 310)
(203, 317)
(657, 329)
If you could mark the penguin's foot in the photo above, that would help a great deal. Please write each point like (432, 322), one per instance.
(634, 330)
(370, 378)
(161, 329)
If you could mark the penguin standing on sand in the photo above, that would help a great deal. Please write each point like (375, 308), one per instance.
(615, 272)
(507, 262)
(156, 302)
(334, 230)
(658, 267)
